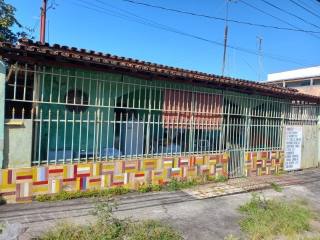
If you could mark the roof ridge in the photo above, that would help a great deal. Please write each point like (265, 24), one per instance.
(75, 54)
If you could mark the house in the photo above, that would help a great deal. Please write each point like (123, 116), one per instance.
(75, 119)
(305, 80)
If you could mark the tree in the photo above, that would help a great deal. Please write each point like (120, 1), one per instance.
(7, 21)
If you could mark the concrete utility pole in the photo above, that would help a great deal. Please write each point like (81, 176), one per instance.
(260, 57)
(225, 38)
(226, 30)
(43, 21)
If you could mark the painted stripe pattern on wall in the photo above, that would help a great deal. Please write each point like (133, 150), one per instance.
(263, 163)
(21, 185)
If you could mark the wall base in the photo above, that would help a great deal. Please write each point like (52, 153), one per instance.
(263, 163)
(21, 184)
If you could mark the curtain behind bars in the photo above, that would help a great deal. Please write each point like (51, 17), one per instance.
(183, 109)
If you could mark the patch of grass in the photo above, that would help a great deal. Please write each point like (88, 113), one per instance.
(108, 227)
(221, 178)
(82, 194)
(151, 229)
(149, 188)
(266, 218)
(176, 184)
(276, 187)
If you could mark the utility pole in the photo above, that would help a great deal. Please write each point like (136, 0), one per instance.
(225, 38)
(260, 57)
(43, 21)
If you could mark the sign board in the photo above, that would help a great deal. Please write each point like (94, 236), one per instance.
(293, 142)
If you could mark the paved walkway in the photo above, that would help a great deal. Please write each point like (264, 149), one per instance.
(240, 185)
(198, 213)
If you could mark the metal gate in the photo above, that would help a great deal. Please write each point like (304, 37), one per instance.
(236, 162)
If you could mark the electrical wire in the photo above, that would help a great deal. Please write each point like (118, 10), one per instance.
(306, 9)
(156, 25)
(290, 13)
(273, 16)
(217, 18)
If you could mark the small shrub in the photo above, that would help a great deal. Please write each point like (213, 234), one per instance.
(2, 200)
(266, 218)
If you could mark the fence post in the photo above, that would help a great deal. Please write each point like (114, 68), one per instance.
(2, 109)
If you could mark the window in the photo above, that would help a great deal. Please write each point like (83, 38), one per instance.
(298, 83)
(316, 82)
(78, 99)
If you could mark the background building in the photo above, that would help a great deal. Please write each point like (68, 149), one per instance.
(305, 80)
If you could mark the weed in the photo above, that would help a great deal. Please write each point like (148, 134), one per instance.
(80, 194)
(145, 188)
(221, 178)
(108, 227)
(156, 187)
(154, 230)
(176, 184)
(266, 218)
(276, 187)
(173, 185)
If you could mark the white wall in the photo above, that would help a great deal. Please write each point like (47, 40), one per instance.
(294, 74)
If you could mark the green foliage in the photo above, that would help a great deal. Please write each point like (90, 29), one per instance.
(221, 178)
(173, 185)
(7, 21)
(149, 188)
(176, 184)
(82, 194)
(276, 187)
(266, 218)
(152, 230)
(2, 201)
(108, 227)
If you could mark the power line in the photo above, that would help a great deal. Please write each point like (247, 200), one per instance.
(306, 9)
(275, 17)
(170, 29)
(218, 18)
(289, 13)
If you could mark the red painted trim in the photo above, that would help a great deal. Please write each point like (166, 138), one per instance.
(55, 171)
(40, 182)
(117, 183)
(139, 175)
(83, 175)
(69, 180)
(95, 180)
(24, 177)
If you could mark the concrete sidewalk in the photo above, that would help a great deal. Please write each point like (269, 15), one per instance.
(204, 212)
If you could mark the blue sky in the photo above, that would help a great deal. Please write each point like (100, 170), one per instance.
(105, 29)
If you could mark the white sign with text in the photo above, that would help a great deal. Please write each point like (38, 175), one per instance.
(293, 148)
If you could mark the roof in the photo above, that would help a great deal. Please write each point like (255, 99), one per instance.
(35, 52)
(301, 73)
